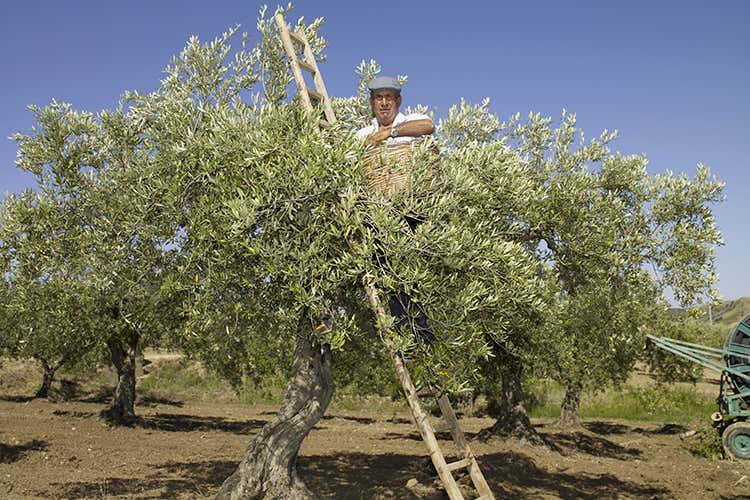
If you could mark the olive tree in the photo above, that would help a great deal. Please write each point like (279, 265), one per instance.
(603, 222)
(593, 221)
(86, 263)
(47, 302)
(277, 232)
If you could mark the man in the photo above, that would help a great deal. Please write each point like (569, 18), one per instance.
(388, 124)
(394, 127)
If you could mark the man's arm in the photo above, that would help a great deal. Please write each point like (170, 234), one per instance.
(412, 128)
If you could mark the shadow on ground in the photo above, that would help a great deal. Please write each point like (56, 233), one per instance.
(359, 420)
(17, 399)
(356, 476)
(604, 428)
(174, 422)
(359, 476)
(102, 395)
(199, 479)
(524, 479)
(151, 401)
(592, 445)
(10, 453)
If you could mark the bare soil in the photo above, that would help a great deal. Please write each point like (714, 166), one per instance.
(176, 450)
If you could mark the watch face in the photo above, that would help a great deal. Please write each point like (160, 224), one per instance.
(394, 132)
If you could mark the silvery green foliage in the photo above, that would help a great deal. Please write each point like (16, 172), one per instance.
(273, 222)
(601, 221)
(42, 235)
(47, 311)
(466, 122)
(212, 211)
(79, 273)
(269, 56)
(354, 111)
(685, 226)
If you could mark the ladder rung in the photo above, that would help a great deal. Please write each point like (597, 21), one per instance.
(459, 464)
(485, 497)
(306, 65)
(296, 37)
(314, 94)
(324, 123)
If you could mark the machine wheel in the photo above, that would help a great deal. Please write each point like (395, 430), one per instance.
(736, 440)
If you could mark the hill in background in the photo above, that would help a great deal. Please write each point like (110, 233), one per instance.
(728, 313)
(724, 317)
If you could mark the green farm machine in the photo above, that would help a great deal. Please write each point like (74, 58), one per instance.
(733, 362)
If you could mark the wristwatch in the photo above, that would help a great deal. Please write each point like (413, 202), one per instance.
(394, 133)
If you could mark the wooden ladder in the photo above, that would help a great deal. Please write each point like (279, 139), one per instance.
(449, 422)
(309, 64)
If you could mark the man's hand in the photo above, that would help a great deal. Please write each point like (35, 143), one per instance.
(381, 135)
(413, 128)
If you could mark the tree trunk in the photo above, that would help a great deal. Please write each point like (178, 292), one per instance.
(123, 353)
(507, 404)
(570, 410)
(269, 467)
(47, 377)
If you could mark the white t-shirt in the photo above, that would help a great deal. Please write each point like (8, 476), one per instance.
(400, 118)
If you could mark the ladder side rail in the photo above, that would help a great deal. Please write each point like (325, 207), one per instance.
(421, 418)
(294, 35)
(452, 423)
(299, 79)
(480, 483)
(320, 86)
(306, 66)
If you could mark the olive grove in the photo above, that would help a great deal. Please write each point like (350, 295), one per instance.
(208, 215)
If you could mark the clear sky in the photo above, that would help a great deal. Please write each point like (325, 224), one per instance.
(671, 76)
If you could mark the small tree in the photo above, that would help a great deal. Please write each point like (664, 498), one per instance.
(603, 220)
(47, 300)
(85, 248)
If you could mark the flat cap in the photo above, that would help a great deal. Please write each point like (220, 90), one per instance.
(384, 82)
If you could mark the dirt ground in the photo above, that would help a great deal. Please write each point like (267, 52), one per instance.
(63, 450)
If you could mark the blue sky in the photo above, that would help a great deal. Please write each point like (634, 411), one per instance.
(671, 76)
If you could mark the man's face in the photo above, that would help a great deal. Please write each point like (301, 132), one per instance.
(385, 104)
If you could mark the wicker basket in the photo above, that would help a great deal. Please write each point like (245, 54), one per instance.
(391, 167)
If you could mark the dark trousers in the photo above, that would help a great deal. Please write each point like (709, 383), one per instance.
(410, 314)
(407, 312)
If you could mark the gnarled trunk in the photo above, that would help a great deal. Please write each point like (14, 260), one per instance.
(269, 467)
(47, 377)
(570, 409)
(507, 404)
(123, 353)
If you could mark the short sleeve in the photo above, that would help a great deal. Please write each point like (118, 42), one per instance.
(416, 116)
(363, 132)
